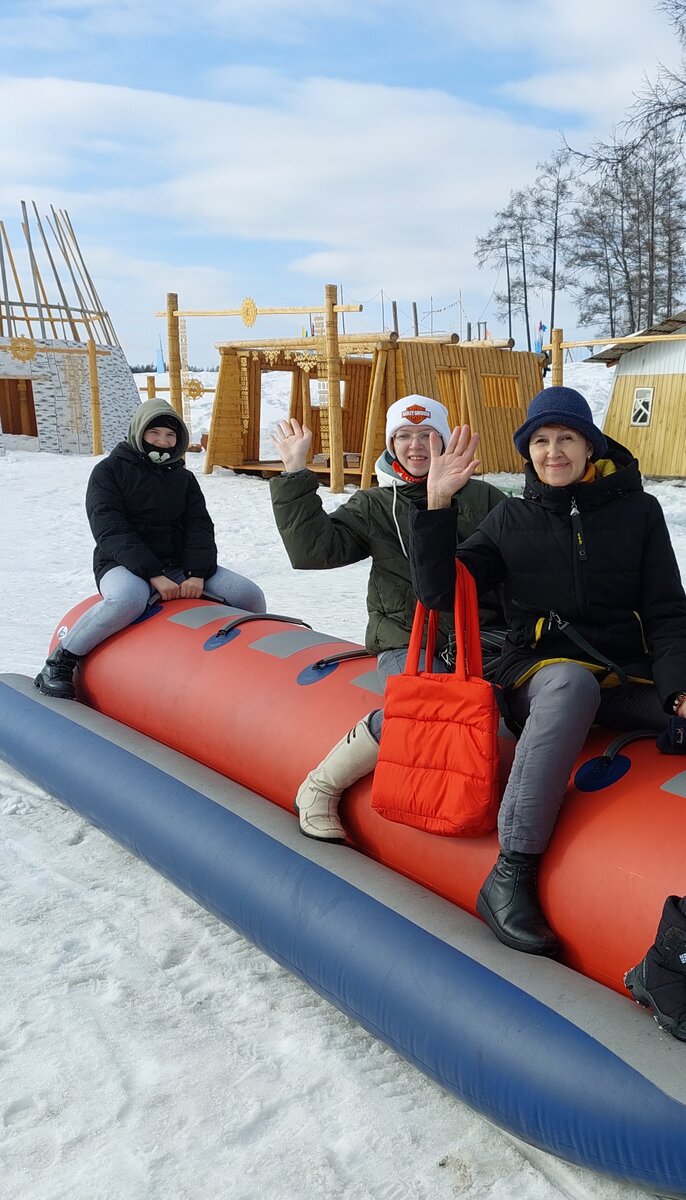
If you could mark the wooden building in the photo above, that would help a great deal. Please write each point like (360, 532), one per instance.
(647, 408)
(483, 384)
(64, 379)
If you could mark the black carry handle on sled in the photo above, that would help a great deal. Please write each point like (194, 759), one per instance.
(342, 656)
(245, 617)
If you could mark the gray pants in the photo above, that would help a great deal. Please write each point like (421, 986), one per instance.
(392, 662)
(125, 597)
(556, 708)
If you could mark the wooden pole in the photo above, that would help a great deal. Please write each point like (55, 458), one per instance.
(102, 315)
(261, 312)
(48, 309)
(307, 407)
(5, 296)
(557, 368)
(59, 237)
(17, 284)
(150, 381)
(493, 343)
(34, 269)
(58, 281)
(350, 341)
(367, 464)
(96, 425)
(174, 353)
(333, 378)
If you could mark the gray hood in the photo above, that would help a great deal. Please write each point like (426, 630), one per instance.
(145, 415)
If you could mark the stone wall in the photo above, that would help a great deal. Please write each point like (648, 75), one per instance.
(61, 395)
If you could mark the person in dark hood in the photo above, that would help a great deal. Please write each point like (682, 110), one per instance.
(153, 534)
(374, 524)
(596, 617)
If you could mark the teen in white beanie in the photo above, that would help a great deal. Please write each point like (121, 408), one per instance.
(417, 412)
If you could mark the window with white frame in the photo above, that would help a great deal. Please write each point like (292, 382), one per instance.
(642, 407)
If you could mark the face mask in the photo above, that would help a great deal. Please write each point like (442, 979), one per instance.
(158, 456)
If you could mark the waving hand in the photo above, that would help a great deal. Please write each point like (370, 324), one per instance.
(449, 472)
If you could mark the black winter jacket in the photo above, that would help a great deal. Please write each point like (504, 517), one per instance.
(148, 516)
(597, 555)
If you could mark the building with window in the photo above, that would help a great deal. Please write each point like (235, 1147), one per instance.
(647, 409)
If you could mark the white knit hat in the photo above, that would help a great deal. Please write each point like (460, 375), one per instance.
(417, 411)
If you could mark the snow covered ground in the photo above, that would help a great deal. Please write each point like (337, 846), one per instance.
(147, 1052)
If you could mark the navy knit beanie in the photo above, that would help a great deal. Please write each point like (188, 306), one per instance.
(560, 406)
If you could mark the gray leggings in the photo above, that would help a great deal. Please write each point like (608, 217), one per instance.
(557, 707)
(125, 597)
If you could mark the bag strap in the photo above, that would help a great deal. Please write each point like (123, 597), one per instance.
(468, 655)
(574, 636)
(472, 653)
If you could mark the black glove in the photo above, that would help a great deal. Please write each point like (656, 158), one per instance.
(672, 740)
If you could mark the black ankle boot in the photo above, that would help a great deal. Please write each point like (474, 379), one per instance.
(508, 903)
(659, 980)
(56, 677)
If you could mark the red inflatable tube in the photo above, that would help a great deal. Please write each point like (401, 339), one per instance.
(251, 704)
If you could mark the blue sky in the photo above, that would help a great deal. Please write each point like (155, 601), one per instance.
(221, 149)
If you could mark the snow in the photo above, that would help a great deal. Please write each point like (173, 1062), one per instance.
(147, 1052)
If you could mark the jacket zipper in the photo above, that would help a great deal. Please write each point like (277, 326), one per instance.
(577, 530)
(579, 553)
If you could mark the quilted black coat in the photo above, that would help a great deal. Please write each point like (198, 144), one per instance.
(148, 516)
(596, 556)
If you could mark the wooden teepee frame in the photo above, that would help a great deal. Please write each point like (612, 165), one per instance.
(39, 325)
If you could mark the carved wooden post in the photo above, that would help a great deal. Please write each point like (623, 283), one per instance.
(378, 380)
(306, 407)
(557, 368)
(333, 376)
(150, 381)
(173, 337)
(96, 425)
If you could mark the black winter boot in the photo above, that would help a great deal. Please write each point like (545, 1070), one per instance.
(659, 980)
(56, 677)
(508, 903)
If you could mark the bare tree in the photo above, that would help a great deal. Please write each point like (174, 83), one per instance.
(626, 253)
(551, 199)
(508, 244)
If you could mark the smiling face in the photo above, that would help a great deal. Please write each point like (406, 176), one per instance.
(559, 455)
(412, 448)
(160, 436)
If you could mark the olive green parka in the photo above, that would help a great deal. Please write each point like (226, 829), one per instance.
(373, 523)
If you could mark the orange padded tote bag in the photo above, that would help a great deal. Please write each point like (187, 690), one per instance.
(438, 758)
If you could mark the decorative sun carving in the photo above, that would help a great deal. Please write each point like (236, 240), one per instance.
(23, 348)
(248, 311)
(193, 389)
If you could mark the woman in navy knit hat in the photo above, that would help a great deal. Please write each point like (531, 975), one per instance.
(596, 616)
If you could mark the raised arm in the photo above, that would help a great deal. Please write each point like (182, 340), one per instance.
(433, 531)
(314, 540)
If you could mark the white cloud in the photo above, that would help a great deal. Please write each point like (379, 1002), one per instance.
(371, 184)
(385, 186)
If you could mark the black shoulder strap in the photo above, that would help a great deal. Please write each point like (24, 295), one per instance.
(554, 619)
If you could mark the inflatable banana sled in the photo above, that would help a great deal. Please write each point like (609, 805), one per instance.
(196, 726)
